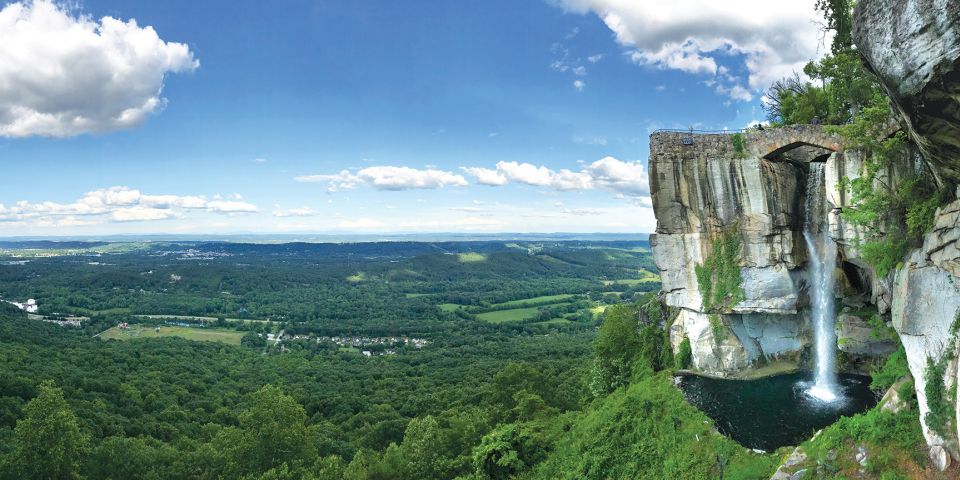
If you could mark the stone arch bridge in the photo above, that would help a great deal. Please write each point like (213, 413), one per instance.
(792, 143)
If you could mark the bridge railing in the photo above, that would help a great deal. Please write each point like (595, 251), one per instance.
(690, 130)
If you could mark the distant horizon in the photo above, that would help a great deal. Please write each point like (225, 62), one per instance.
(305, 237)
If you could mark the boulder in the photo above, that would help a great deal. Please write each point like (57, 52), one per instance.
(891, 400)
(855, 336)
(913, 46)
(940, 457)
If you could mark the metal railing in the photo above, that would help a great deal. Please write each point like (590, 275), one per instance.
(690, 130)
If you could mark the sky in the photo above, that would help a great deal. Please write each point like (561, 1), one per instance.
(367, 116)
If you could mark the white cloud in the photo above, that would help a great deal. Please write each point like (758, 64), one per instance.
(735, 92)
(466, 209)
(237, 196)
(595, 58)
(486, 176)
(391, 207)
(420, 200)
(220, 224)
(296, 212)
(543, 176)
(185, 227)
(584, 211)
(573, 33)
(579, 84)
(478, 202)
(558, 204)
(494, 134)
(612, 175)
(117, 204)
(231, 208)
(608, 174)
(138, 213)
(688, 37)
(581, 70)
(361, 223)
(63, 75)
(388, 178)
(660, 88)
(258, 160)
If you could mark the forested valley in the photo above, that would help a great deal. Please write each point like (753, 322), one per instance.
(486, 395)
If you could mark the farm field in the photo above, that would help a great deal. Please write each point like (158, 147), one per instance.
(546, 298)
(555, 321)
(512, 315)
(199, 334)
(448, 307)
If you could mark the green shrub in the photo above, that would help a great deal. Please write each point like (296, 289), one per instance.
(719, 279)
(720, 332)
(684, 355)
(737, 140)
(894, 368)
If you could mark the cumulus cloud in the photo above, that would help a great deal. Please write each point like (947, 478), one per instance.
(117, 204)
(626, 179)
(579, 84)
(63, 74)
(362, 223)
(486, 176)
(677, 35)
(478, 202)
(388, 178)
(595, 58)
(296, 212)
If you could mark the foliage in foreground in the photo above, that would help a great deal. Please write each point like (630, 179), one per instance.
(649, 431)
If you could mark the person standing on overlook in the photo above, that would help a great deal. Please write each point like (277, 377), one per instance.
(815, 121)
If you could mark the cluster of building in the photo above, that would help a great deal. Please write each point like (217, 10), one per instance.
(30, 306)
(360, 342)
(192, 254)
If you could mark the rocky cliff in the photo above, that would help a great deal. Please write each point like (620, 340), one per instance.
(913, 46)
(703, 188)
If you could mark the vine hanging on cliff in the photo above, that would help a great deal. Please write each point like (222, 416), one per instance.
(719, 279)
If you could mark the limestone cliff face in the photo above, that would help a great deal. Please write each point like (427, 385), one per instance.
(926, 299)
(913, 46)
(699, 188)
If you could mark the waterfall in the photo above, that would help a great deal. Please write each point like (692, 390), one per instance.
(822, 251)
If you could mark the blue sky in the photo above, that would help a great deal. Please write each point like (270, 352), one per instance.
(366, 116)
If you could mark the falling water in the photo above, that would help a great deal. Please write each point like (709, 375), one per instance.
(823, 254)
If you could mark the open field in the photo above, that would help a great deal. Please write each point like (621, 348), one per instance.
(199, 334)
(513, 315)
(448, 307)
(545, 298)
(554, 321)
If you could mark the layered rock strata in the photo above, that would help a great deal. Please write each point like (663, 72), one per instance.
(913, 46)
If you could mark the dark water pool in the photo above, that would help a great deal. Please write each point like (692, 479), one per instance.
(774, 411)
